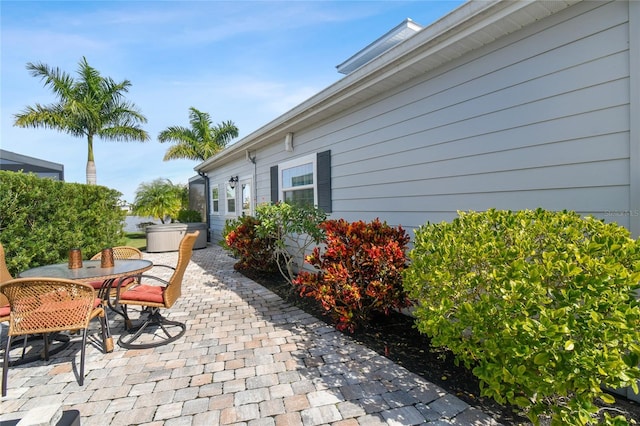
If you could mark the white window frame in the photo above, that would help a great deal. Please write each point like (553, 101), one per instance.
(227, 199)
(246, 181)
(213, 200)
(311, 158)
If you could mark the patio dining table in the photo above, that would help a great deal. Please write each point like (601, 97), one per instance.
(90, 271)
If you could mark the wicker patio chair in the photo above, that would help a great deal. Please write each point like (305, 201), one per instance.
(122, 252)
(119, 252)
(4, 276)
(153, 297)
(52, 305)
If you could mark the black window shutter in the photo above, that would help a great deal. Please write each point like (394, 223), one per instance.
(324, 180)
(274, 184)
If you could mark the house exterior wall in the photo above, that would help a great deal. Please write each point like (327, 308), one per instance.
(13, 162)
(538, 118)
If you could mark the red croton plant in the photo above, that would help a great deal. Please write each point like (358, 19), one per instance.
(254, 253)
(359, 271)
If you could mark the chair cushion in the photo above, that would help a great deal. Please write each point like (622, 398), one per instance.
(4, 311)
(97, 285)
(144, 293)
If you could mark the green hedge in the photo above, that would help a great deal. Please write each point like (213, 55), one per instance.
(41, 219)
(539, 304)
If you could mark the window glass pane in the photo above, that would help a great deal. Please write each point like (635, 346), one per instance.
(214, 199)
(231, 199)
(246, 199)
(301, 197)
(298, 176)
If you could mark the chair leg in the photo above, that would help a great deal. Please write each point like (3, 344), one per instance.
(82, 351)
(5, 366)
(45, 341)
(127, 320)
(107, 340)
(24, 345)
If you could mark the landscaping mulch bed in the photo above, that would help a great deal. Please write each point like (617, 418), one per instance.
(396, 338)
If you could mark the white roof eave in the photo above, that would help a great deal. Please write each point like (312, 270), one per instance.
(428, 49)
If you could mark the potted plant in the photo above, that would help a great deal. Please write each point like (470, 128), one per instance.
(167, 202)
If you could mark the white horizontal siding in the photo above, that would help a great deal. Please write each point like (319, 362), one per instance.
(391, 169)
(581, 199)
(220, 178)
(539, 118)
(504, 130)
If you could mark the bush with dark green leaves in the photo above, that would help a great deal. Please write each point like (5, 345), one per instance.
(189, 216)
(293, 229)
(41, 219)
(540, 305)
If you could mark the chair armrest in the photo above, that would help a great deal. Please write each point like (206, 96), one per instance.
(163, 266)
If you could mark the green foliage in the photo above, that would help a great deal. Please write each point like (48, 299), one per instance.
(201, 141)
(189, 216)
(160, 199)
(253, 252)
(293, 229)
(359, 272)
(41, 219)
(539, 304)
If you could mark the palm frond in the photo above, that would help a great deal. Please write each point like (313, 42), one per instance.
(199, 142)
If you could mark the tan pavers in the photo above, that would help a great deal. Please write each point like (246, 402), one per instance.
(247, 358)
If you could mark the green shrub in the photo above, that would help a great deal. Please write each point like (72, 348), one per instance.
(189, 216)
(539, 304)
(292, 229)
(160, 199)
(253, 252)
(359, 272)
(41, 219)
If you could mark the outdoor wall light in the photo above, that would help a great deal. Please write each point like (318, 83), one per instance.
(233, 181)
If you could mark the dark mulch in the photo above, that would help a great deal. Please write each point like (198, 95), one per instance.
(396, 338)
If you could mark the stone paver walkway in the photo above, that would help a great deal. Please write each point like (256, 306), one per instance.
(247, 358)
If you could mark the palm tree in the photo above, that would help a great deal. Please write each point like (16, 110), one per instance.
(199, 142)
(90, 106)
(160, 199)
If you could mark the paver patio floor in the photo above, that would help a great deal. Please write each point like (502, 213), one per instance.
(247, 358)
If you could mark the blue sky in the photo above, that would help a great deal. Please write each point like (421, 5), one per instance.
(244, 61)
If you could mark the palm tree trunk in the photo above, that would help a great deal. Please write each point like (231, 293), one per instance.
(91, 165)
(91, 173)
